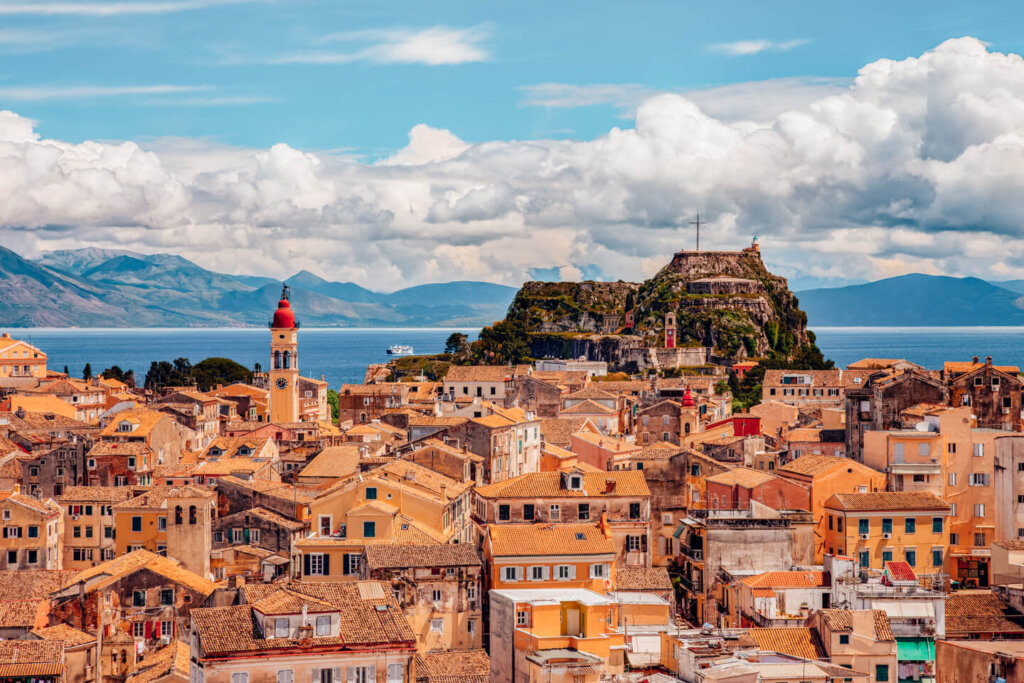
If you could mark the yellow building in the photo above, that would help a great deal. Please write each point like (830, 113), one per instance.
(557, 636)
(89, 523)
(20, 359)
(558, 556)
(400, 502)
(284, 363)
(33, 532)
(874, 528)
(171, 521)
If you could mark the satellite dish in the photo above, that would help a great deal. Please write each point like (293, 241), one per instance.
(923, 427)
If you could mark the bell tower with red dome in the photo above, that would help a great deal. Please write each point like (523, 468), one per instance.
(284, 362)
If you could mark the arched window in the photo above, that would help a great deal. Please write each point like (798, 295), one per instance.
(277, 360)
(177, 514)
(191, 514)
(287, 359)
(124, 656)
(687, 428)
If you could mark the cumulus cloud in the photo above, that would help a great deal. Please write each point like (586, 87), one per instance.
(913, 165)
(108, 9)
(742, 48)
(439, 45)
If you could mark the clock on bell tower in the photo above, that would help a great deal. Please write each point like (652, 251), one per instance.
(284, 362)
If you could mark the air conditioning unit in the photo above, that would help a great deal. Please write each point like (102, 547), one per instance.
(165, 640)
(886, 535)
(74, 516)
(865, 537)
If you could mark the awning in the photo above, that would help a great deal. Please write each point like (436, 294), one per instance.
(905, 609)
(915, 650)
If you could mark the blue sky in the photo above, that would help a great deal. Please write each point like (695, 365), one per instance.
(221, 55)
(392, 144)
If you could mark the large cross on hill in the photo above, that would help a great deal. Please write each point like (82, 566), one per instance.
(697, 223)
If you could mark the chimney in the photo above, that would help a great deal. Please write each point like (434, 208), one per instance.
(988, 360)
(7, 335)
(609, 485)
(444, 492)
(975, 359)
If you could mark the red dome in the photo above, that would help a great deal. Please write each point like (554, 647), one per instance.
(284, 316)
(688, 401)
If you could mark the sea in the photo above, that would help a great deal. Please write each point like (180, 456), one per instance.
(340, 355)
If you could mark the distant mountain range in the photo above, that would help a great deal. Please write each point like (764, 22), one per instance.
(917, 300)
(117, 288)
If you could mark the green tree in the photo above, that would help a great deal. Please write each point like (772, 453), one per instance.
(214, 371)
(502, 343)
(457, 342)
(113, 372)
(332, 400)
(66, 371)
(163, 374)
(87, 372)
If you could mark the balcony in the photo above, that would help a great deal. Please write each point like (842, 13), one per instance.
(694, 554)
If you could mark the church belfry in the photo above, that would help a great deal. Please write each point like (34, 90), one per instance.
(284, 362)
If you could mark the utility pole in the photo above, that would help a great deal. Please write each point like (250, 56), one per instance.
(697, 223)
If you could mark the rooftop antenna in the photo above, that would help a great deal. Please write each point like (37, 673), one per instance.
(285, 289)
(697, 223)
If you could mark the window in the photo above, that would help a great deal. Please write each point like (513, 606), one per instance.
(576, 482)
(887, 555)
(952, 478)
(538, 573)
(285, 676)
(76, 532)
(138, 598)
(830, 522)
(161, 524)
(924, 448)
(979, 450)
(504, 513)
(954, 538)
(979, 539)
(371, 493)
(33, 557)
(325, 525)
(369, 529)
(911, 556)
(556, 513)
(395, 672)
(936, 557)
(136, 523)
(887, 525)
(584, 512)
(471, 591)
(598, 571)
(254, 535)
(909, 525)
(865, 558)
(844, 639)
(979, 509)
(236, 536)
(323, 625)
(528, 512)
(470, 627)
(634, 512)
(435, 595)
(511, 573)
(139, 629)
(316, 564)
(881, 673)
(839, 523)
(281, 627)
(936, 525)
(240, 677)
(666, 517)
(522, 618)
(979, 479)
(862, 526)
(565, 572)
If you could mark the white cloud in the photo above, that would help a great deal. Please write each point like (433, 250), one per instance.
(912, 165)
(436, 46)
(742, 48)
(108, 9)
(73, 92)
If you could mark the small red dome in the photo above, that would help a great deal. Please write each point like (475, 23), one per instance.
(284, 316)
(688, 401)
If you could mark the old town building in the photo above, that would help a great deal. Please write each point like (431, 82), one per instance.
(33, 532)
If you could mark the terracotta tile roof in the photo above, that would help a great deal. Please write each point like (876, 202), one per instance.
(405, 531)
(435, 421)
(763, 593)
(558, 431)
(472, 666)
(24, 658)
(377, 389)
(797, 642)
(1010, 544)
(240, 390)
(887, 500)
(607, 443)
(267, 515)
(23, 613)
(434, 555)
(422, 479)
(71, 637)
(630, 578)
(587, 407)
(32, 584)
(477, 373)
(510, 540)
(962, 368)
(172, 659)
(284, 601)
(811, 465)
(551, 485)
(156, 497)
(334, 461)
(590, 392)
(43, 507)
(980, 613)
(144, 419)
(874, 363)
(230, 445)
(112, 571)
(841, 620)
(120, 448)
(900, 571)
(98, 494)
(742, 476)
(274, 489)
(789, 579)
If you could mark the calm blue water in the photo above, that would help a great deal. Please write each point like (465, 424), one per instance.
(341, 355)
